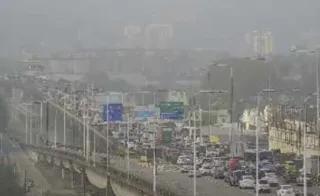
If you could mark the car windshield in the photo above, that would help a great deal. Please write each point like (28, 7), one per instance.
(263, 182)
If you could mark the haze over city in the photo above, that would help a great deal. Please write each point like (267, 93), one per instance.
(209, 24)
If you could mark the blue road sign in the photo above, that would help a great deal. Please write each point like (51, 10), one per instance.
(113, 112)
(171, 110)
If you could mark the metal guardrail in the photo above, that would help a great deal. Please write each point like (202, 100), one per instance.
(133, 181)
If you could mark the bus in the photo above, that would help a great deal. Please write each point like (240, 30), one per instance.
(250, 155)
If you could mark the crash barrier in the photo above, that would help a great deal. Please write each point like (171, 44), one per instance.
(140, 183)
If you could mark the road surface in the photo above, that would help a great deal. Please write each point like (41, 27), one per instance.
(206, 186)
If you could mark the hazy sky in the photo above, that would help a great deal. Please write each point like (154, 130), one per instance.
(198, 23)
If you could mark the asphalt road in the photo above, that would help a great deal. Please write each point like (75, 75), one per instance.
(24, 163)
(180, 182)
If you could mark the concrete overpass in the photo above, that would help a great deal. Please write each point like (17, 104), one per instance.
(136, 182)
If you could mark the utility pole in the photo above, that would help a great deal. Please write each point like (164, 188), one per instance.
(231, 107)
(47, 124)
(26, 125)
(318, 114)
(64, 124)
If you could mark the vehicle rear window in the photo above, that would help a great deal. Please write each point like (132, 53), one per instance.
(263, 182)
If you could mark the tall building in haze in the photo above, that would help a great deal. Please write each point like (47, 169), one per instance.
(158, 36)
(262, 43)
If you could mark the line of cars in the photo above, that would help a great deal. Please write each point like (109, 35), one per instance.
(243, 176)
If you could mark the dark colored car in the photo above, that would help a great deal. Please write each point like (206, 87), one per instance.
(235, 177)
(218, 173)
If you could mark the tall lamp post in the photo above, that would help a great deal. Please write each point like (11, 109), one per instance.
(317, 52)
(258, 128)
(231, 100)
(257, 136)
(210, 92)
(306, 105)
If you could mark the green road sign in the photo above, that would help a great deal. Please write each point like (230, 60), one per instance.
(166, 135)
(171, 110)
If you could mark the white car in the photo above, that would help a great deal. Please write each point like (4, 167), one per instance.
(284, 188)
(300, 180)
(185, 168)
(246, 181)
(263, 186)
(272, 179)
(191, 173)
(181, 160)
(198, 162)
(205, 170)
(288, 192)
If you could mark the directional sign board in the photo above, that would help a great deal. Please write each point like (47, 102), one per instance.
(113, 112)
(141, 113)
(171, 110)
(166, 135)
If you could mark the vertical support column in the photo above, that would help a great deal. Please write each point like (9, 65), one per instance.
(64, 124)
(62, 173)
(83, 182)
(31, 124)
(88, 142)
(26, 126)
(47, 124)
(82, 178)
(72, 179)
(107, 186)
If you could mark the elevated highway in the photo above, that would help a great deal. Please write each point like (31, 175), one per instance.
(135, 181)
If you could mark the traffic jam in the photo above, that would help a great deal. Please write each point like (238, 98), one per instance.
(278, 174)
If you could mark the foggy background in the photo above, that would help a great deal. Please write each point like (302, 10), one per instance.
(43, 25)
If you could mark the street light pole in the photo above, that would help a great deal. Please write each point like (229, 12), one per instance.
(26, 121)
(231, 105)
(30, 125)
(295, 50)
(304, 146)
(41, 117)
(257, 136)
(257, 142)
(154, 161)
(55, 131)
(318, 114)
(128, 149)
(231, 100)
(210, 92)
(64, 124)
(194, 153)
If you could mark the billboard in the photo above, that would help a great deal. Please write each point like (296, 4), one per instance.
(171, 110)
(113, 112)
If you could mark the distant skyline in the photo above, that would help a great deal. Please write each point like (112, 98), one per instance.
(215, 24)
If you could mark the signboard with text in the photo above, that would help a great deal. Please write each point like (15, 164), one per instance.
(171, 110)
(143, 113)
(113, 112)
